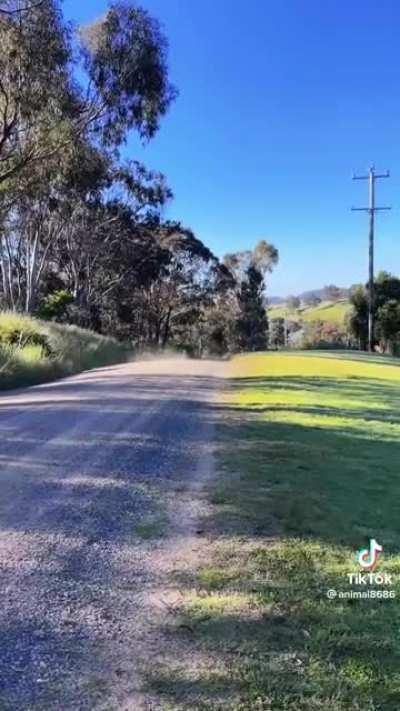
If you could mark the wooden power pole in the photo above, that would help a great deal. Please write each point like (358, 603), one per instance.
(371, 209)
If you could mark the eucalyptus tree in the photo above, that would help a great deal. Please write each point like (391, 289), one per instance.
(178, 279)
(36, 91)
(39, 217)
(250, 324)
(47, 119)
(102, 210)
(42, 106)
(125, 57)
(264, 257)
(185, 286)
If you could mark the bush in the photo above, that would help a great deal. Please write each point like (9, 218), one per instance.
(20, 331)
(55, 306)
(319, 334)
(33, 351)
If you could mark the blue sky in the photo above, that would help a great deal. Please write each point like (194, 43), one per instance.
(280, 101)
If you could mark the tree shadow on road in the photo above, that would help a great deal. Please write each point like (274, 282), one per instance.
(84, 486)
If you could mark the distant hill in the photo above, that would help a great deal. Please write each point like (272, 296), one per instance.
(305, 295)
(321, 294)
(334, 312)
(275, 300)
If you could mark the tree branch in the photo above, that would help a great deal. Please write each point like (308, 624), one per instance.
(33, 6)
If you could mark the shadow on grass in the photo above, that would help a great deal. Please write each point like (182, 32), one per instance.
(292, 505)
(289, 647)
(332, 484)
(336, 482)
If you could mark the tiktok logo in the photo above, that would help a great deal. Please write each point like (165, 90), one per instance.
(368, 557)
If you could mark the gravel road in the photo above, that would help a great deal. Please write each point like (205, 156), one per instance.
(98, 483)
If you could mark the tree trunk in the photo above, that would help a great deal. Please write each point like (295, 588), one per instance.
(166, 328)
(31, 273)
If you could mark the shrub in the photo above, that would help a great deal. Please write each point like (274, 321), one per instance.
(20, 331)
(54, 307)
(319, 334)
(33, 351)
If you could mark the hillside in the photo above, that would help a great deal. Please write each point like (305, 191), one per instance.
(333, 312)
(33, 351)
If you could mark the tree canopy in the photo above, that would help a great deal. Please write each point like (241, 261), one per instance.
(386, 311)
(82, 233)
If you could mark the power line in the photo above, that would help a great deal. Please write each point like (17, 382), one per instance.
(371, 209)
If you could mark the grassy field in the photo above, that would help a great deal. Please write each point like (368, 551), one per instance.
(33, 351)
(310, 471)
(334, 312)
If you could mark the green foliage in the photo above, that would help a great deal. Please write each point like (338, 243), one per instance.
(388, 323)
(264, 257)
(386, 309)
(125, 58)
(83, 239)
(54, 307)
(19, 331)
(251, 324)
(245, 321)
(216, 336)
(359, 316)
(323, 325)
(124, 55)
(60, 183)
(277, 332)
(387, 287)
(35, 96)
(320, 334)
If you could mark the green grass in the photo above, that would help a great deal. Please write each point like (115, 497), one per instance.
(310, 471)
(33, 351)
(153, 527)
(333, 312)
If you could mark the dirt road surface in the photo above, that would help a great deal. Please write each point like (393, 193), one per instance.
(100, 493)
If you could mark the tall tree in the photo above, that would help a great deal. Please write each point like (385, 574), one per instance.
(55, 136)
(43, 108)
(387, 295)
(125, 57)
(251, 324)
(36, 92)
(249, 269)
(263, 257)
(388, 325)
(277, 333)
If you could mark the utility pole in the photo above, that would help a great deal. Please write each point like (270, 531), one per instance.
(371, 209)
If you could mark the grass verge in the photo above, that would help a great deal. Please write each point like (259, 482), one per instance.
(310, 471)
(33, 351)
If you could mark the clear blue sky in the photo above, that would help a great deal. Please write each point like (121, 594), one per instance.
(280, 100)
